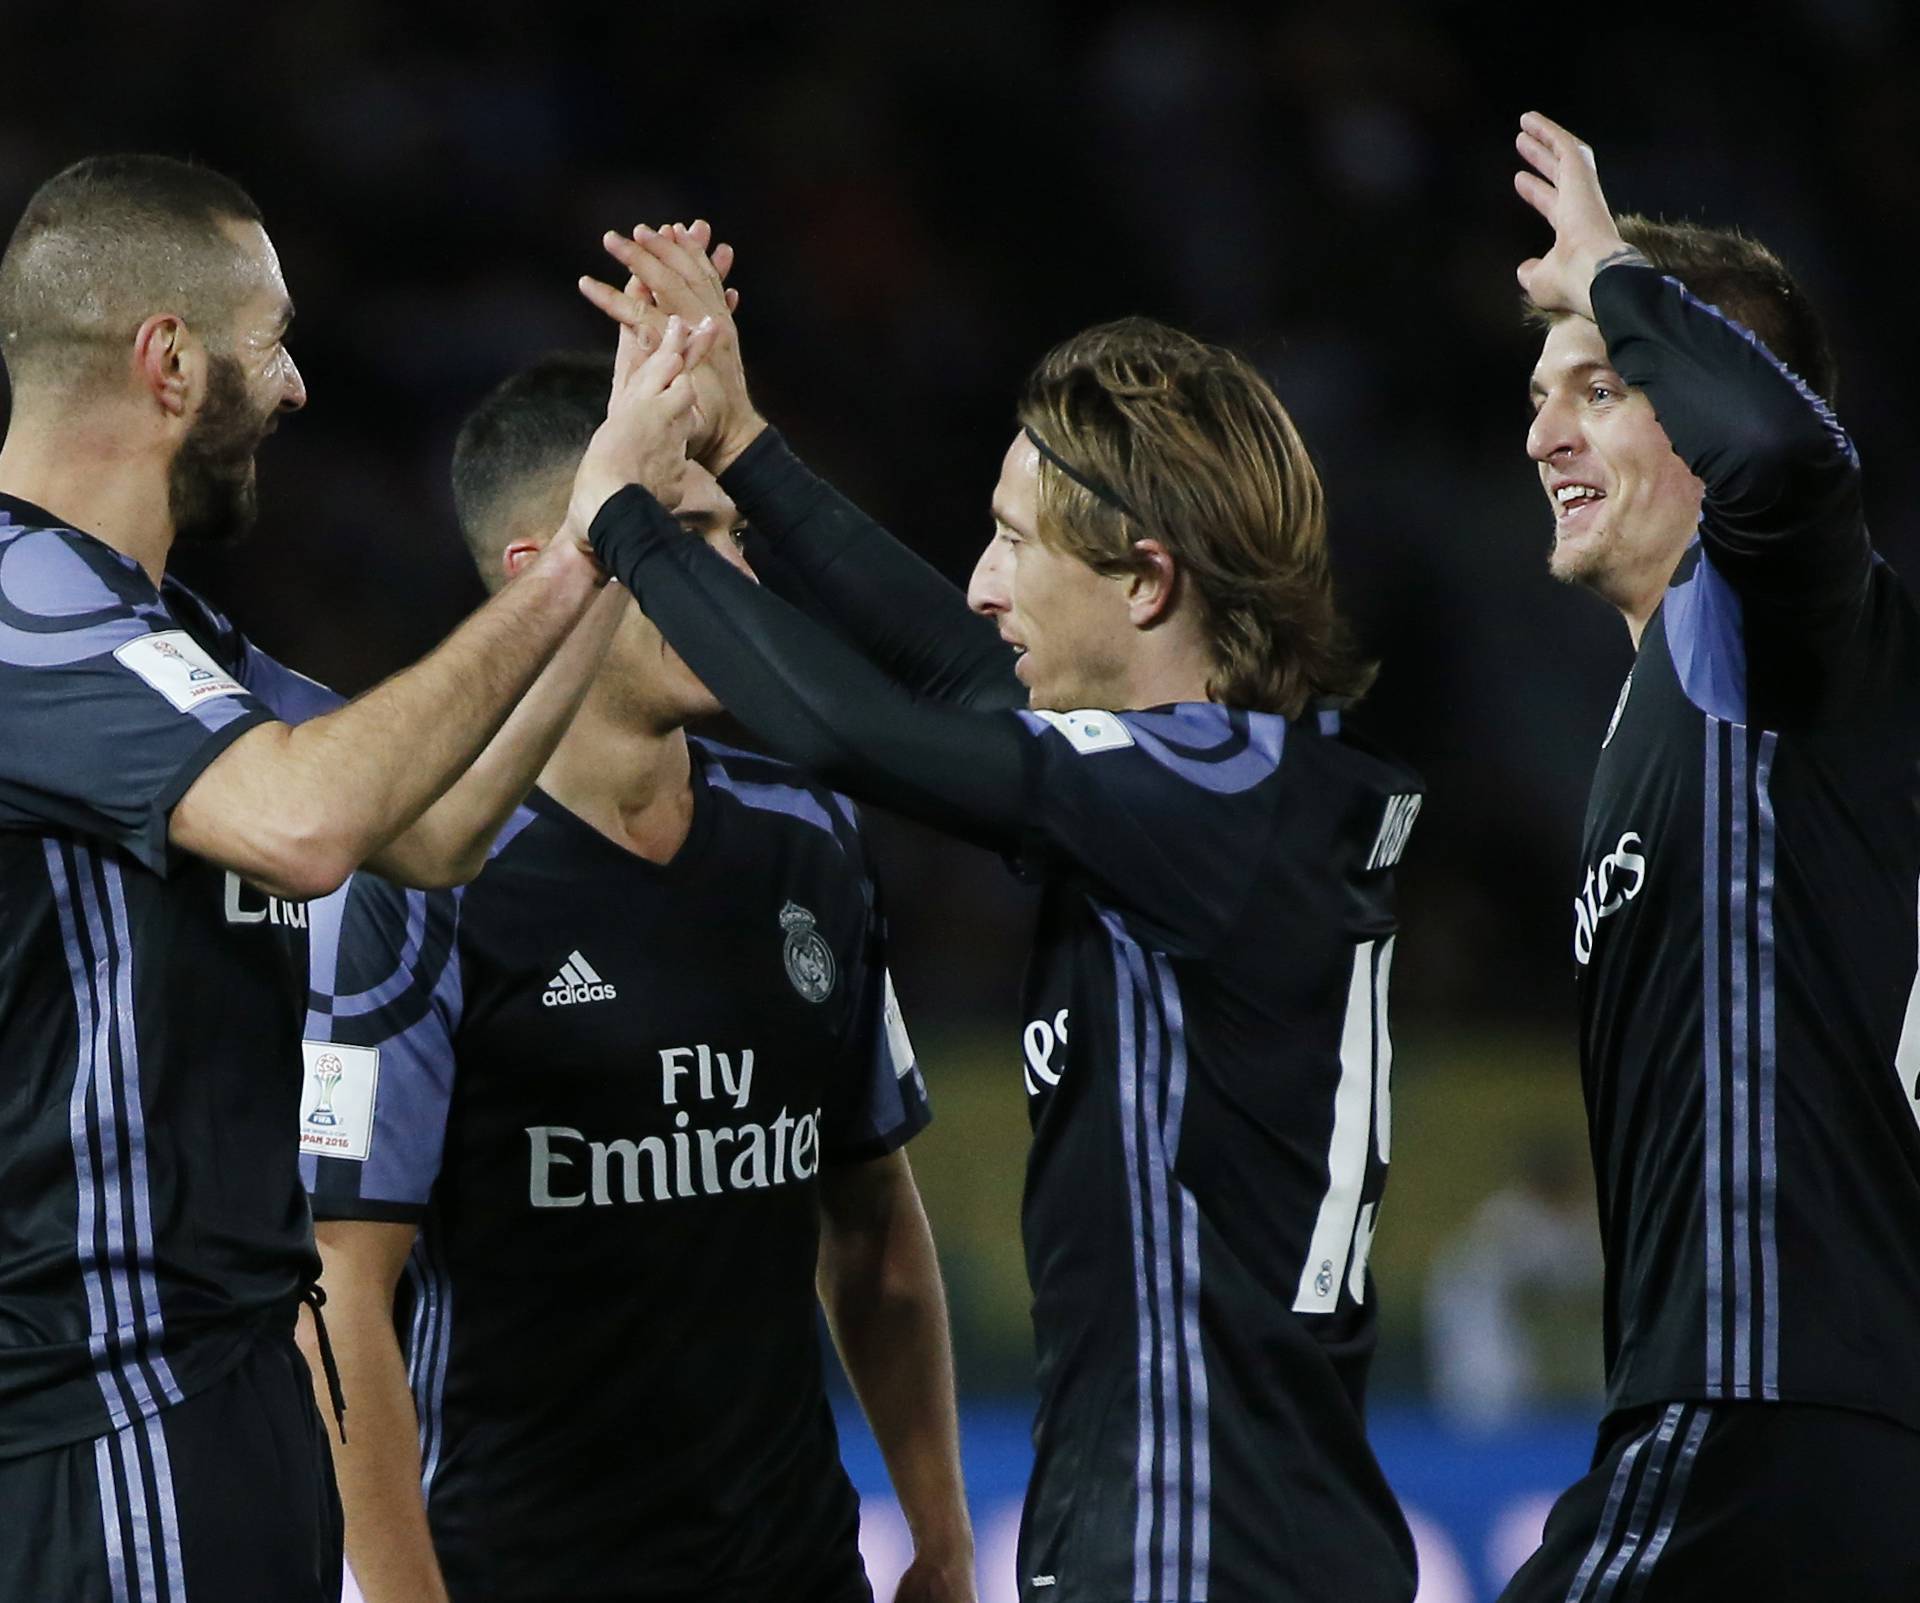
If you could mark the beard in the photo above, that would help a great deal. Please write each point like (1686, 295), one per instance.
(210, 486)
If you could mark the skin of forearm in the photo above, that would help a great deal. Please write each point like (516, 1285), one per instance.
(880, 1285)
(449, 842)
(339, 787)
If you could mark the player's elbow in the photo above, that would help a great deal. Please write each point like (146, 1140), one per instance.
(304, 860)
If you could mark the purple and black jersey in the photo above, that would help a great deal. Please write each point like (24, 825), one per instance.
(605, 1089)
(1745, 931)
(1205, 1046)
(151, 1216)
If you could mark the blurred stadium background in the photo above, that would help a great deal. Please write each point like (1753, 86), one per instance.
(924, 198)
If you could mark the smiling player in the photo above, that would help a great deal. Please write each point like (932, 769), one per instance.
(1745, 929)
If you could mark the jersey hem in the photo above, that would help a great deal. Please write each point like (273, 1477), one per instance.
(201, 1381)
(1797, 1399)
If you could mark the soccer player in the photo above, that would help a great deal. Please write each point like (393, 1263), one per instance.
(634, 1083)
(162, 823)
(1744, 927)
(1144, 715)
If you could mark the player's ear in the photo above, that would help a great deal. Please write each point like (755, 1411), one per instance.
(1152, 586)
(168, 361)
(517, 555)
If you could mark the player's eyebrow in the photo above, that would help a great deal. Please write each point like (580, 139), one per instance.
(1536, 386)
(285, 319)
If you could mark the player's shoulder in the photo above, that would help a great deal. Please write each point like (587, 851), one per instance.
(1217, 750)
(65, 596)
(378, 951)
(779, 794)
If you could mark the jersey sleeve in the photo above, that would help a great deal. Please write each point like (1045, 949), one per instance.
(880, 1098)
(383, 1006)
(1782, 526)
(108, 710)
(819, 551)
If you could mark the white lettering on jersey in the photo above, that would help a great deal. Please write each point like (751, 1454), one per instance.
(567, 1169)
(241, 907)
(1396, 824)
(899, 1043)
(177, 666)
(1090, 730)
(1610, 884)
(576, 982)
(714, 1074)
(1039, 1040)
(336, 1108)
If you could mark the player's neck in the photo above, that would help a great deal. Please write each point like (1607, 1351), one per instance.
(630, 781)
(1160, 672)
(87, 475)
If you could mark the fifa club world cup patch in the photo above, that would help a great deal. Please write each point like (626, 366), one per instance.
(178, 666)
(336, 1104)
(1090, 730)
(808, 958)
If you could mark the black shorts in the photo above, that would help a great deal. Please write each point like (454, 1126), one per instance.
(227, 1497)
(1705, 1501)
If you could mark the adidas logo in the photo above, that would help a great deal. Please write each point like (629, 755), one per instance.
(576, 982)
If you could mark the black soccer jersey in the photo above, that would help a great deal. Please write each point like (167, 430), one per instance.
(1206, 1058)
(1745, 930)
(1205, 1051)
(605, 1089)
(151, 1215)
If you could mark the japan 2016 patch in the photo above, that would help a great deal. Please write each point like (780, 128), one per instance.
(178, 666)
(337, 1101)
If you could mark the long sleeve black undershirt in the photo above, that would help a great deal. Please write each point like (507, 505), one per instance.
(836, 564)
(814, 700)
(1782, 515)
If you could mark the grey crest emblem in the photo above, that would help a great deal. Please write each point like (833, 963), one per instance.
(808, 958)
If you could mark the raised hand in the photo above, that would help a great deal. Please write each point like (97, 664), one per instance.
(1564, 188)
(678, 271)
(649, 416)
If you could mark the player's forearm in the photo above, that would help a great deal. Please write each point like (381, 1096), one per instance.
(888, 1312)
(448, 843)
(378, 1468)
(813, 700)
(1773, 458)
(297, 809)
(901, 613)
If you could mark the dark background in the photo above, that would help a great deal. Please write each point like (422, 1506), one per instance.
(924, 198)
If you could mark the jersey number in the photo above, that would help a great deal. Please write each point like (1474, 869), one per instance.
(1906, 1056)
(1362, 1119)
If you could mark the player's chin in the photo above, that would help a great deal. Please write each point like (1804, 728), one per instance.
(1577, 558)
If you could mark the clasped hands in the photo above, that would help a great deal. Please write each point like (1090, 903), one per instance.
(679, 390)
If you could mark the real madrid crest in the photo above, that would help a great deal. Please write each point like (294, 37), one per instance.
(808, 958)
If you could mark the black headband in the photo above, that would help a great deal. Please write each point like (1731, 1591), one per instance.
(1093, 488)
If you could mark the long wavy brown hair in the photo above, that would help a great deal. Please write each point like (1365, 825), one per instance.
(1200, 455)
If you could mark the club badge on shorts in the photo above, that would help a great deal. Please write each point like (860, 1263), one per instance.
(808, 958)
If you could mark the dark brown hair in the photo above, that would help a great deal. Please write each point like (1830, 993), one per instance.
(105, 244)
(1743, 279)
(1196, 447)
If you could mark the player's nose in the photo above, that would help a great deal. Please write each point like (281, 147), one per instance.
(293, 388)
(1552, 430)
(987, 589)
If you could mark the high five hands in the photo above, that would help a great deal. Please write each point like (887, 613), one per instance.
(650, 417)
(679, 271)
(1564, 188)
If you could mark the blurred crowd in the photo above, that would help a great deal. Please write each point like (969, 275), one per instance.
(923, 199)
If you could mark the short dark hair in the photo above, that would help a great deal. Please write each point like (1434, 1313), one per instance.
(105, 244)
(1745, 280)
(1191, 447)
(529, 426)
